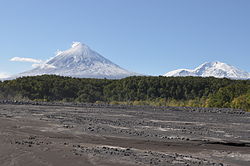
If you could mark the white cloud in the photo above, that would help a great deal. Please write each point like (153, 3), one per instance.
(4, 75)
(19, 59)
(75, 44)
(36, 62)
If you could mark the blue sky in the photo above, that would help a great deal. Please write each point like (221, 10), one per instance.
(144, 36)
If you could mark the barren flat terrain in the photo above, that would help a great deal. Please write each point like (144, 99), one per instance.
(88, 135)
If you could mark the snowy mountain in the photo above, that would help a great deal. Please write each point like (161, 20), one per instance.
(79, 61)
(214, 69)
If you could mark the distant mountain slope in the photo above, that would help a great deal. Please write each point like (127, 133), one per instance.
(82, 62)
(214, 69)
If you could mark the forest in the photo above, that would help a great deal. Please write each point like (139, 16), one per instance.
(137, 90)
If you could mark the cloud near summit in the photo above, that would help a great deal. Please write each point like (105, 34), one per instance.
(36, 62)
(31, 60)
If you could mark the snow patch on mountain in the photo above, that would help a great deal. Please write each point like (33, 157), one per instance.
(212, 69)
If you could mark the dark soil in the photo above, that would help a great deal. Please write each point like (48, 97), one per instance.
(87, 134)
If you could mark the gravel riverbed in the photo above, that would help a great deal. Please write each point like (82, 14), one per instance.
(91, 134)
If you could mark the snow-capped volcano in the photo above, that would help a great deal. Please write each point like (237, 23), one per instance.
(79, 61)
(214, 69)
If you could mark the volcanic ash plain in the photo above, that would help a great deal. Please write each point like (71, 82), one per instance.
(89, 135)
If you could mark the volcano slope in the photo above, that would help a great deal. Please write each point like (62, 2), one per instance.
(89, 135)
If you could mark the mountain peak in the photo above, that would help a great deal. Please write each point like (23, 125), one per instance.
(80, 61)
(214, 63)
(77, 49)
(80, 46)
(214, 69)
(77, 44)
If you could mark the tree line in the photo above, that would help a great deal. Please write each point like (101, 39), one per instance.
(137, 90)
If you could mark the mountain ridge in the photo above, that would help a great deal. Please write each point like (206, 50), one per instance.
(212, 69)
